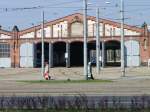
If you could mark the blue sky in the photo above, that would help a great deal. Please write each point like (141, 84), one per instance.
(136, 11)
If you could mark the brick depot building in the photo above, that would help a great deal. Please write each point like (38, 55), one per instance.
(63, 43)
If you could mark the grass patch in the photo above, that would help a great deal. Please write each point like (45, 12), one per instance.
(66, 81)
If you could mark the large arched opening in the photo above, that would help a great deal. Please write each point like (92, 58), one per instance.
(112, 53)
(38, 53)
(92, 52)
(59, 49)
(76, 54)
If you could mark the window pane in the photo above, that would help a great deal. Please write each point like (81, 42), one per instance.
(4, 50)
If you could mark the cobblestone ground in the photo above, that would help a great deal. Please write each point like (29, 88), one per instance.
(136, 82)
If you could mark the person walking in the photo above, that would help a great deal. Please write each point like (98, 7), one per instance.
(46, 72)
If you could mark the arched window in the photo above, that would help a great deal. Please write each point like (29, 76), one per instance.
(145, 44)
(4, 50)
(76, 29)
(114, 32)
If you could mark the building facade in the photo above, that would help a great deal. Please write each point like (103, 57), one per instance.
(63, 43)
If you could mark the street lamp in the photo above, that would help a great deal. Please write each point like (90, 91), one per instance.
(98, 54)
(107, 2)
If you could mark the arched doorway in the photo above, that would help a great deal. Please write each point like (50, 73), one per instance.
(112, 53)
(59, 49)
(38, 53)
(76, 54)
(92, 52)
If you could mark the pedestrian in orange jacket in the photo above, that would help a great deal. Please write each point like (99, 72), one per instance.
(46, 72)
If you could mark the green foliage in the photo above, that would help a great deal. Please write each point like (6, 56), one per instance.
(144, 24)
(66, 81)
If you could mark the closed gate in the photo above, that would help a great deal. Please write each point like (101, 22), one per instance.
(5, 60)
(132, 53)
(27, 55)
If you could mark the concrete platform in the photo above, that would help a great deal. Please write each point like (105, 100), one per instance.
(136, 82)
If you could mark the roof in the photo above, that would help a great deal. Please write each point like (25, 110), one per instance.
(5, 32)
(68, 17)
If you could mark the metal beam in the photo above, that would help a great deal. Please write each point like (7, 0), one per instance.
(85, 37)
(50, 55)
(103, 54)
(42, 35)
(97, 42)
(67, 55)
(122, 39)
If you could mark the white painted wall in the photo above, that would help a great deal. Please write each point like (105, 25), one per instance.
(64, 26)
(101, 29)
(117, 31)
(38, 33)
(108, 30)
(56, 30)
(76, 29)
(28, 35)
(5, 62)
(47, 32)
(3, 36)
(91, 28)
(60, 29)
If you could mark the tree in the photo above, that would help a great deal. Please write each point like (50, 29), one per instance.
(144, 24)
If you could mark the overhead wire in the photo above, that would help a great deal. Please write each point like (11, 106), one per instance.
(41, 6)
(66, 7)
(69, 5)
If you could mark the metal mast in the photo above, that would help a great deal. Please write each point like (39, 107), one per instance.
(85, 37)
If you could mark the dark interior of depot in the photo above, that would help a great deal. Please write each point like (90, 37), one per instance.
(112, 53)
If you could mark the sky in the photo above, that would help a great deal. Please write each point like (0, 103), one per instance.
(27, 13)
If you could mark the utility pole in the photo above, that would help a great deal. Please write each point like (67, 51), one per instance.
(42, 35)
(97, 42)
(85, 37)
(122, 39)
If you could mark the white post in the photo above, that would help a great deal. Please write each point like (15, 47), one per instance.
(50, 55)
(85, 37)
(97, 42)
(122, 39)
(103, 54)
(42, 35)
